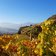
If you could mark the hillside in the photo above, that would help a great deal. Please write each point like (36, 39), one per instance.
(52, 17)
(33, 40)
(32, 30)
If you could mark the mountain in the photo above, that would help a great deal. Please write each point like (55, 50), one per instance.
(37, 40)
(35, 29)
(7, 30)
(52, 17)
(11, 28)
(45, 34)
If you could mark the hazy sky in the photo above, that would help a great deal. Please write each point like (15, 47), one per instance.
(24, 11)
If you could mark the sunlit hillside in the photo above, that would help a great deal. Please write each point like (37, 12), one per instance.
(33, 40)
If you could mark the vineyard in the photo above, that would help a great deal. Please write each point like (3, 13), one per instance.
(36, 40)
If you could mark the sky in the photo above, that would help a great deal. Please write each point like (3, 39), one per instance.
(24, 11)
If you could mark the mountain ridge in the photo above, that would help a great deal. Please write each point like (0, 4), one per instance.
(11, 28)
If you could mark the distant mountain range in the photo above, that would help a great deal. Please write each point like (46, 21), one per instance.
(11, 28)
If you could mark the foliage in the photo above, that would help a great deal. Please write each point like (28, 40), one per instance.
(44, 43)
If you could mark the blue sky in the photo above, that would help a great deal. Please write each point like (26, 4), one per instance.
(24, 11)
